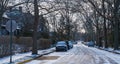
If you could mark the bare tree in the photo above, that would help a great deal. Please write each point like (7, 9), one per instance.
(3, 7)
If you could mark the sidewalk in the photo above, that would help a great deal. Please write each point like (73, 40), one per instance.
(17, 58)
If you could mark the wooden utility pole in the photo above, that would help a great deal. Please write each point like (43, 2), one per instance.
(36, 19)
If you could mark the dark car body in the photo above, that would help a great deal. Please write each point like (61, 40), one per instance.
(70, 43)
(91, 44)
(61, 46)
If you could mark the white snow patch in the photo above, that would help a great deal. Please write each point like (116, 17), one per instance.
(14, 57)
(23, 56)
(117, 51)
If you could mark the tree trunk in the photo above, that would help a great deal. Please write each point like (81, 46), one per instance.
(105, 29)
(116, 26)
(36, 19)
(97, 34)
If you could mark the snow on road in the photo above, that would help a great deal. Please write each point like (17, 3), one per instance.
(80, 54)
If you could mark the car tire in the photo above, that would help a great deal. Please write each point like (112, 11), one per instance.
(65, 49)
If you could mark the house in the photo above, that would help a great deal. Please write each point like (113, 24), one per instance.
(25, 22)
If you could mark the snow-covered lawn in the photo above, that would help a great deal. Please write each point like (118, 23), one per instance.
(14, 57)
(23, 56)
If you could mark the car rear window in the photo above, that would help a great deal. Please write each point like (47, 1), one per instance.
(60, 43)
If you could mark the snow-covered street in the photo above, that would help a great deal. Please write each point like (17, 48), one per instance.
(80, 54)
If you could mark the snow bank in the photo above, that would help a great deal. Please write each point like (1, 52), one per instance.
(24, 56)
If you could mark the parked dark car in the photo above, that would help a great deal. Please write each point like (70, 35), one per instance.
(70, 44)
(91, 44)
(61, 46)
